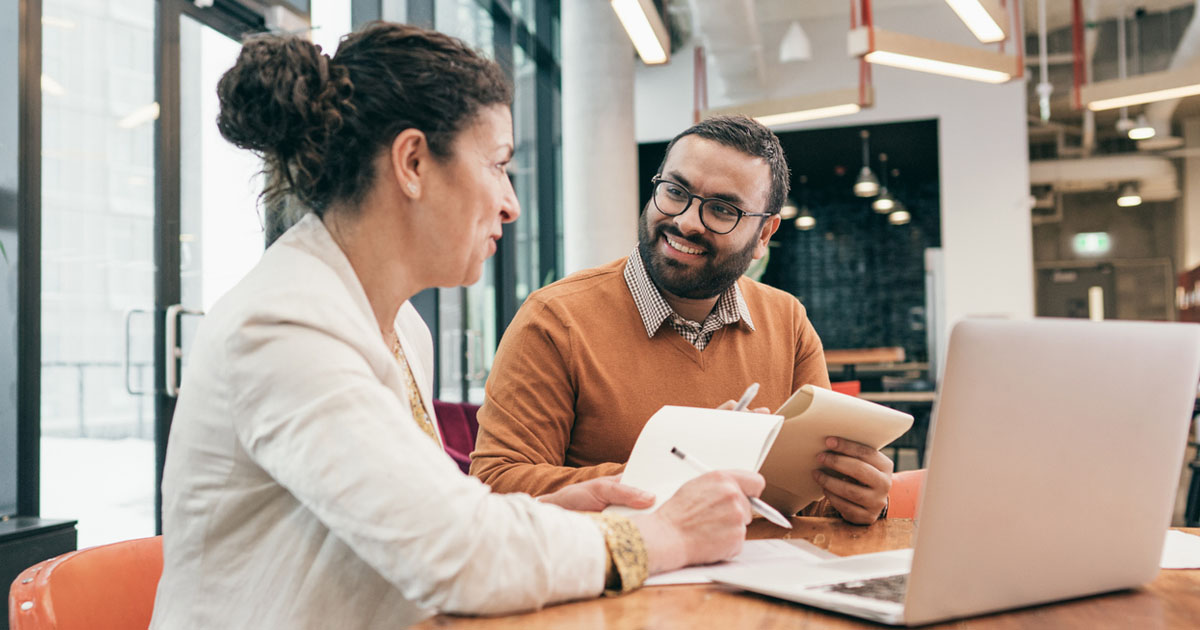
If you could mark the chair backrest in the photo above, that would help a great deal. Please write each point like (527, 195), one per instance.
(110, 587)
(905, 494)
(849, 388)
(459, 427)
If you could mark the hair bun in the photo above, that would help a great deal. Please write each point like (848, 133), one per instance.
(282, 99)
(276, 95)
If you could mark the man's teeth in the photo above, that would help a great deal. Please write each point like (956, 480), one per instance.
(676, 245)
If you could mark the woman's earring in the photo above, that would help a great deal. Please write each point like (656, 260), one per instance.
(412, 188)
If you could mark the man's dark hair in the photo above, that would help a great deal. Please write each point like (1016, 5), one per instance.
(750, 137)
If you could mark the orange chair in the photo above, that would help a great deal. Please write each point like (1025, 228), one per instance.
(905, 495)
(849, 388)
(110, 587)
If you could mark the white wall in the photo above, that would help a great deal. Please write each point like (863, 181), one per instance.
(984, 162)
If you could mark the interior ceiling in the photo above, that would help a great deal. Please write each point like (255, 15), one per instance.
(742, 36)
(1058, 12)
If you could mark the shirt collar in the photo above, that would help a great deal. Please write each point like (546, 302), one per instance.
(654, 309)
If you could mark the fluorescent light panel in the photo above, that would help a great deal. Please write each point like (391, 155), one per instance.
(645, 28)
(910, 52)
(1144, 88)
(983, 17)
(799, 109)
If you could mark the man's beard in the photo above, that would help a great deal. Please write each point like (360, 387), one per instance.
(718, 272)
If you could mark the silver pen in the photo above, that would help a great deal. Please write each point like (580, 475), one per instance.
(760, 506)
(744, 401)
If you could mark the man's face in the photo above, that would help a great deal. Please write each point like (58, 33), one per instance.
(683, 257)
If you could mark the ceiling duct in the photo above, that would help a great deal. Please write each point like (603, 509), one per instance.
(1156, 176)
(728, 30)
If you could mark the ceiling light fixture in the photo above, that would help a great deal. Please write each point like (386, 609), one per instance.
(884, 203)
(867, 184)
(789, 210)
(900, 215)
(808, 107)
(1129, 196)
(1142, 130)
(985, 18)
(645, 29)
(910, 52)
(1144, 88)
(806, 221)
(795, 45)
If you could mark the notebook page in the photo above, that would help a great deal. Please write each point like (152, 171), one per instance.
(721, 439)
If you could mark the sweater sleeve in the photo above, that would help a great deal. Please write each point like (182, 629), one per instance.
(810, 368)
(810, 354)
(529, 411)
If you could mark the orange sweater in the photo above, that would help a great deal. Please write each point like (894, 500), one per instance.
(575, 377)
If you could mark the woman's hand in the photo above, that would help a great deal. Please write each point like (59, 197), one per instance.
(704, 522)
(596, 494)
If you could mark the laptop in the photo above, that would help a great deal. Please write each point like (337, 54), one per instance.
(1055, 458)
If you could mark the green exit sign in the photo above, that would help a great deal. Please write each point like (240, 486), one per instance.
(1092, 243)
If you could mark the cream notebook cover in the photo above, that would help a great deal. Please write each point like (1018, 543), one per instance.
(811, 415)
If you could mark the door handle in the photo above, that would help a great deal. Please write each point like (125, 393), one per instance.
(173, 353)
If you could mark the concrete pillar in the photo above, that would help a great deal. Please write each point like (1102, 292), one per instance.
(1189, 210)
(599, 149)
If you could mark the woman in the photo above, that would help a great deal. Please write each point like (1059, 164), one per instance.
(305, 482)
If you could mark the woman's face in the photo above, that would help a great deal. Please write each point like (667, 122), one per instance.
(475, 197)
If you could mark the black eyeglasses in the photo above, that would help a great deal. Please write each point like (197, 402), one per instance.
(717, 215)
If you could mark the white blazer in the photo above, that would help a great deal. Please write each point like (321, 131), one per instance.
(299, 492)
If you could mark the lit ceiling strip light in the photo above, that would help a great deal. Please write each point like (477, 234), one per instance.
(645, 28)
(910, 52)
(802, 108)
(1145, 88)
(985, 18)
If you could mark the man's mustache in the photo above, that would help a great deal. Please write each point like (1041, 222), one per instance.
(668, 228)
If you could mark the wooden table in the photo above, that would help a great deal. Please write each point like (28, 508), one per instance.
(1171, 601)
(849, 359)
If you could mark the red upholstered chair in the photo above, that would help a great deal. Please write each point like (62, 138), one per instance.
(110, 587)
(459, 427)
(849, 388)
(905, 495)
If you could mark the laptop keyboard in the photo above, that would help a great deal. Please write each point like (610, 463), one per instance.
(888, 589)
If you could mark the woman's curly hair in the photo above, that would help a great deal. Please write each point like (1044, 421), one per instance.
(318, 122)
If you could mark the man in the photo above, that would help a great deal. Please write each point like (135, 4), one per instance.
(587, 360)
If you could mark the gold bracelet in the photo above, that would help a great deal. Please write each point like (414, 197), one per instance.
(628, 562)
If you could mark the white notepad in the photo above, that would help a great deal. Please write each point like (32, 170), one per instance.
(724, 440)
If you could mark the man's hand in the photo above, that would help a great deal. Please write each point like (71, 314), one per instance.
(596, 494)
(856, 479)
(703, 522)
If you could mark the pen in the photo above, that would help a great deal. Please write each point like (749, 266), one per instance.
(744, 401)
(760, 506)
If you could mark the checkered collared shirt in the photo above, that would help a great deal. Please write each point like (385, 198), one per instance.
(654, 309)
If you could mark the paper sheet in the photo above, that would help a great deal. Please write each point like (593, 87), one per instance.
(1182, 551)
(723, 440)
(754, 552)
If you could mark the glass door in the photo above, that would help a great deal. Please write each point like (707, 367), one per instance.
(98, 267)
(209, 232)
(148, 216)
